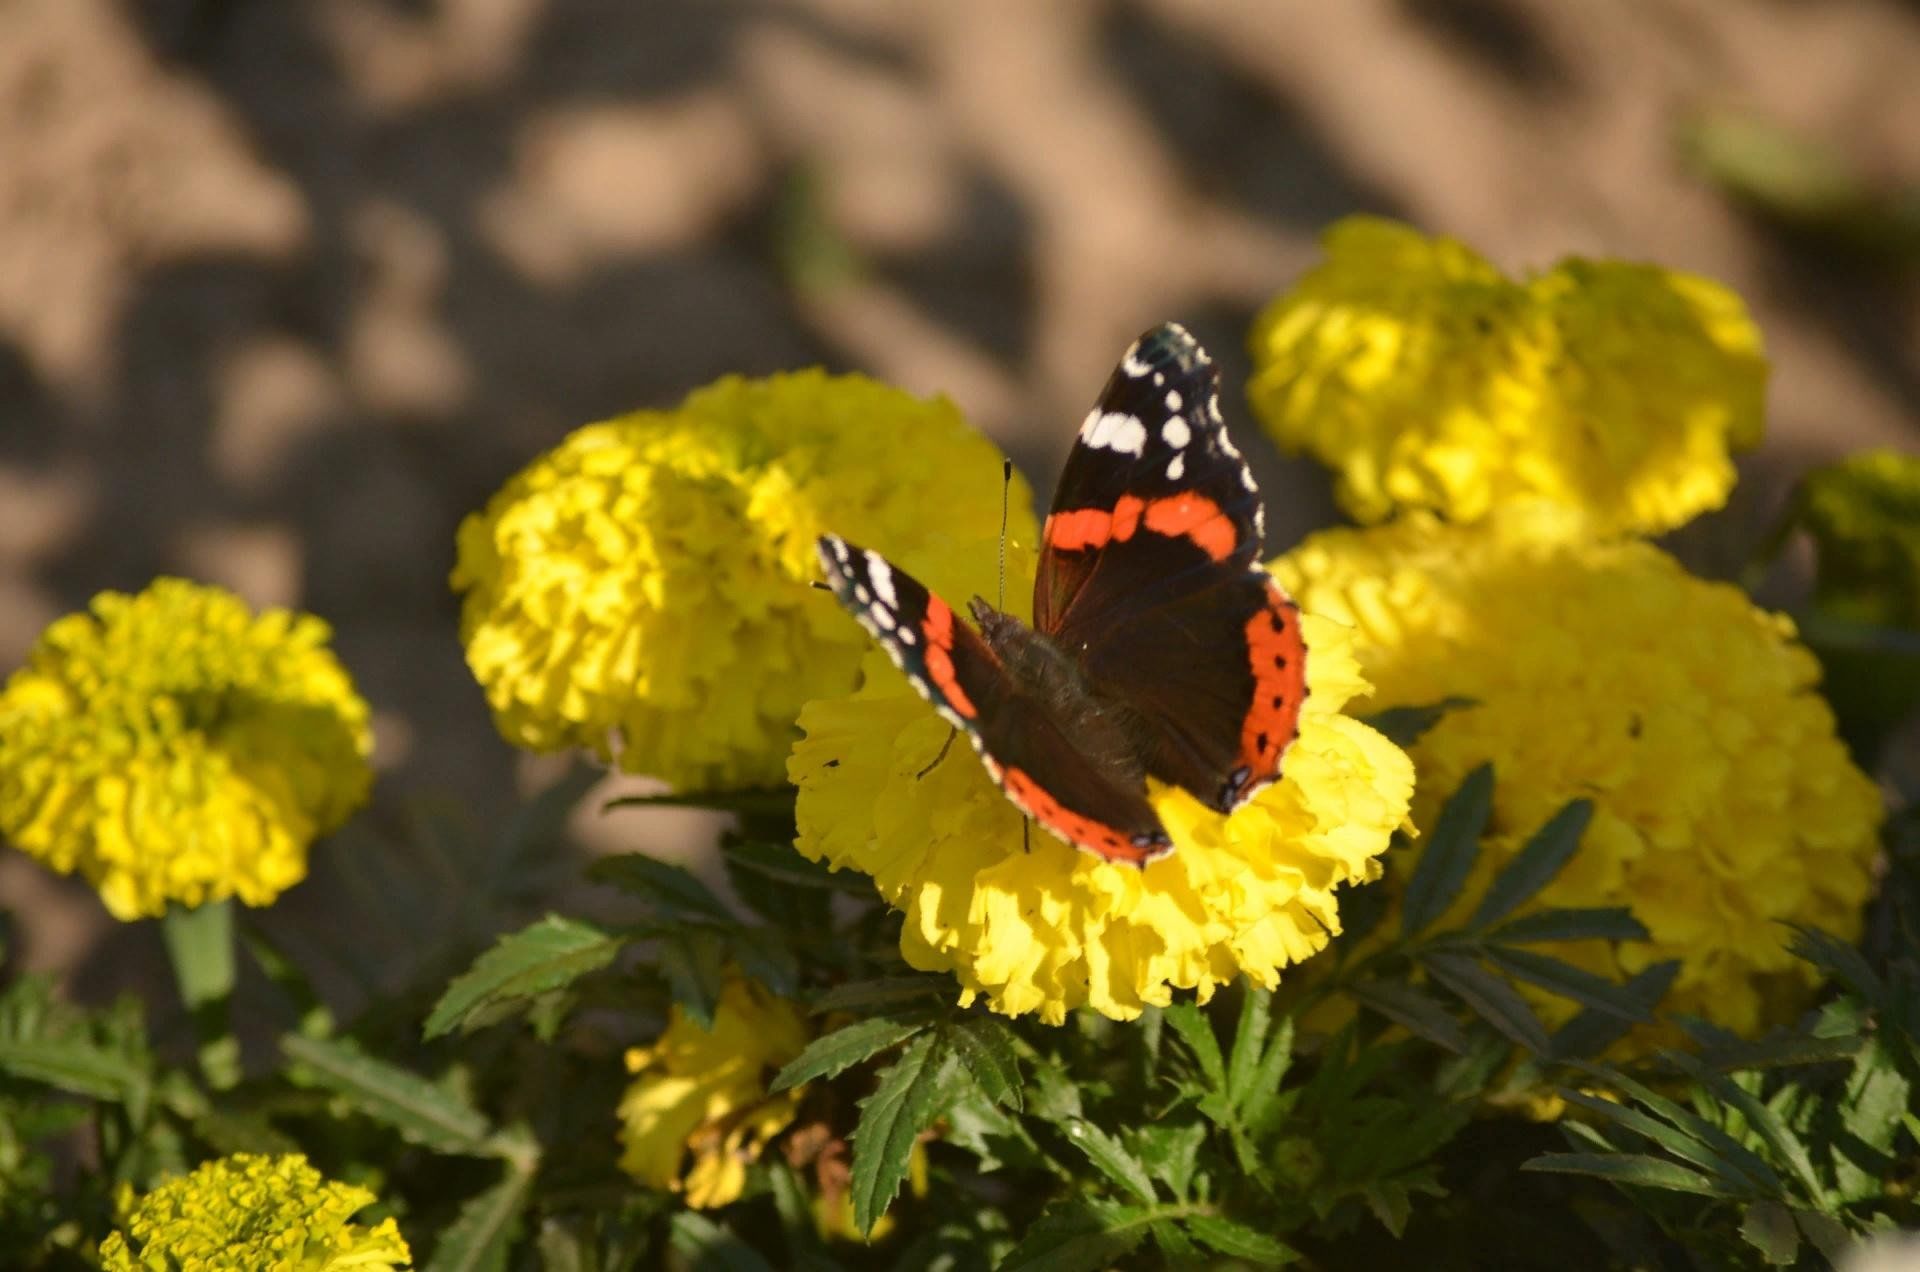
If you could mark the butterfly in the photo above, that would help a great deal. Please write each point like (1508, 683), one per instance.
(1159, 647)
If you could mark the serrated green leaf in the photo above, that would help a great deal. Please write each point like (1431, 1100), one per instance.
(1419, 1013)
(1536, 865)
(705, 1246)
(984, 1048)
(1838, 959)
(1450, 853)
(1790, 1050)
(1748, 1176)
(782, 864)
(1600, 923)
(840, 1050)
(1876, 1095)
(1828, 1235)
(547, 956)
(422, 1112)
(693, 961)
(1263, 1093)
(1569, 982)
(904, 1102)
(1082, 1235)
(1403, 726)
(1176, 1248)
(75, 1065)
(1591, 1032)
(1749, 1164)
(1492, 999)
(775, 801)
(1237, 1241)
(1765, 1123)
(1390, 1203)
(1170, 1151)
(883, 994)
(1626, 1168)
(1768, 1227)
(481, 1236)
(1111, 1158)
(1249, 1044)
(763, 954)
(1197, 1032)
(670, 889)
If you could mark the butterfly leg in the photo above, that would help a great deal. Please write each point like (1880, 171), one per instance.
(934, 763)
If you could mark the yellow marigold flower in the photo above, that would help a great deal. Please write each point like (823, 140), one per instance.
(698, 1112)
(251, 1212)
(1426, 379)
(642, 589)
(1724, 805)
(1864, 514)
(172, 746)
(1049, 929)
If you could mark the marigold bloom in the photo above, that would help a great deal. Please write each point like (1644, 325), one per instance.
(1864, 515)
(1426, 379)
(1724, 805)
(247, 1211)
(1052, 928)
(698, 1112)
(172, 746)
(642, 588)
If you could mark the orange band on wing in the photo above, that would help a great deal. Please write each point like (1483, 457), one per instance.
(1194, 517)
(1094, 836)
(938, 629)
(1279, 659)
(1087, 528)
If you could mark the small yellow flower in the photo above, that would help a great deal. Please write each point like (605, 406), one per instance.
(698, 1112)
(1864, 515)
(1049, 929)
(250, 1212)
(1426, 379)
(642, 589)
(1724, 805)
(172, 746)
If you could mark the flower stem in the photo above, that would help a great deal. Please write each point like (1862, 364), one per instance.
(200, 947)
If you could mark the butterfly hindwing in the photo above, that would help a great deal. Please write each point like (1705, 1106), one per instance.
(1024, 749)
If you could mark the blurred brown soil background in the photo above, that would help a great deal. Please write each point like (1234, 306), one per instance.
(289, 286)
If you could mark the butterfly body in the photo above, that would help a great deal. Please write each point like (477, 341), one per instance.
(1159, 648)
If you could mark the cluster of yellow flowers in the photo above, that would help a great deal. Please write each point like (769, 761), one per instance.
(247, 1211)
(173, 747)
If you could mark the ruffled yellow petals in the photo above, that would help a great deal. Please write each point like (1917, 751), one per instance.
(698, 1112)
(1724, 805)
(642, 589)
(1050, 928)
(174, 747)
(247, 1211)
(1426, 379)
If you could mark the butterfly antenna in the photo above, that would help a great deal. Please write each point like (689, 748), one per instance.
(1006, 485)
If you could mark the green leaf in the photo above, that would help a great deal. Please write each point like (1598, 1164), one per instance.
(1748, 1176)
(904, 1102)
(1750, 1165)
(781, 864)
(422, 1112)
(1536, 865)
(1449, 854)
(1768, 1227)
(1197, 1032)
(1237, 1241)
(481, 1236)
(669, 889)
(985, 1050)
(1828, 1235)
(776, 801)
(883, 994)
(1111, 1159)
(1568, 981)
(1418, 1013)
(1626, 1168)
(840, 1050)
(549, 955)
(1591, 1032)
(1262, 1099)
(1765, 1123)
(693, 961)
(1604, 923)
(1491, 998)
(1082, 1235)
(78, 1066)
(707, 1247)
(1876, 1096)
(1249, 1044)
(1403, 726)
(1837, 959)
(1170, 1151)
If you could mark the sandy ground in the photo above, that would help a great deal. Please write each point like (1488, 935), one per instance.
(288, 286)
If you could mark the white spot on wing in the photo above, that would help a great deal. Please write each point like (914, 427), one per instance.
(1116, 431)
(1177, 469)
(1175, 432)
(884, 617)
(1174, 400)
(907, 637)
(882, 576)
(862, 595)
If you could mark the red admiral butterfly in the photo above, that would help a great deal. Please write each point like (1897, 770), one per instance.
(1159, 647)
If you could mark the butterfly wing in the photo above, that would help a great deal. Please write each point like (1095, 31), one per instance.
(1017, 738)
(1149, 576)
